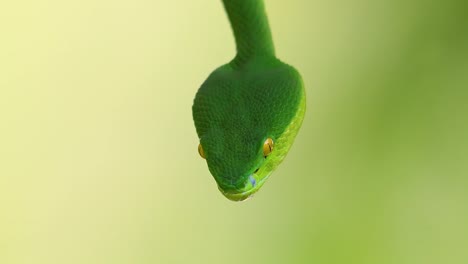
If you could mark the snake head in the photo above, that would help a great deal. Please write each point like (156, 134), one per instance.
(238, 110)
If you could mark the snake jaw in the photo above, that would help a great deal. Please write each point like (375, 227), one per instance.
(252, 185)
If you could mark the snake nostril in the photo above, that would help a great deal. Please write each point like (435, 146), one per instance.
(256, 170)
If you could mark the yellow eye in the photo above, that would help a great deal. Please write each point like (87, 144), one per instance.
(267, 147)
(200, 151)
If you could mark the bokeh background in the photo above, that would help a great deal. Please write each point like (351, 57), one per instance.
(98, 153)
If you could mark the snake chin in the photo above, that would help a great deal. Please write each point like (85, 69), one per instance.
(252, 185)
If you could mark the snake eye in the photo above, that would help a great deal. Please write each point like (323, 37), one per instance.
(267, 147)
(200, 151)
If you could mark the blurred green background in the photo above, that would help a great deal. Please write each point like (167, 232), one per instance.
(98, 153)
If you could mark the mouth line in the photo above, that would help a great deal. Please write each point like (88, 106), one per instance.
(243, 195)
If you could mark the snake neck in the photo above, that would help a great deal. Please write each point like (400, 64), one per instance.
(249, 23)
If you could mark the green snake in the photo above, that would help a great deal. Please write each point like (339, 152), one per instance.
(248, 111)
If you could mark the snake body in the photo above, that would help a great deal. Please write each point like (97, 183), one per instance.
(247, 113)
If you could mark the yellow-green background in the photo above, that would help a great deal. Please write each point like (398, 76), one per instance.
(98, 153)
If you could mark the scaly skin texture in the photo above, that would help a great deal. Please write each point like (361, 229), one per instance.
(244, 102)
